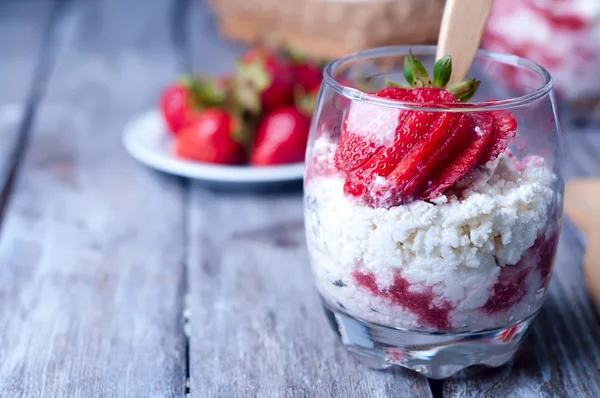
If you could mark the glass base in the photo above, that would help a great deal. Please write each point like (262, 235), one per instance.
(435, 355)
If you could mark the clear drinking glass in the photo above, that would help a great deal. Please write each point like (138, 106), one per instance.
(434, 283)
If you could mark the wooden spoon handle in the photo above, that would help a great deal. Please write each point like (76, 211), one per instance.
(462, 27)
(591, 267)
(582, 205)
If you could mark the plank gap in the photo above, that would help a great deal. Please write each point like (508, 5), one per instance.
(183, 57)
(185, 207)
(46, 58)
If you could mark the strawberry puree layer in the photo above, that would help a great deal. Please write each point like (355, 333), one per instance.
(478, 257)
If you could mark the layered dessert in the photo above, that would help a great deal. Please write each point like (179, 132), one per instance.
(424, 219)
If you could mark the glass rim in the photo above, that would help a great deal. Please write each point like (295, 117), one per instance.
(508, 59)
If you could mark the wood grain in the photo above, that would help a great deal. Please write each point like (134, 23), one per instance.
(92, 287)
(257, 327)
(22, 32)
(256, 323)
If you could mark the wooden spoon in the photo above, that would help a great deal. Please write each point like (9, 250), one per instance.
(582, 204)
(463, 24)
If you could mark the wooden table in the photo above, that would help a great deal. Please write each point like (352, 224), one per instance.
(118, 281)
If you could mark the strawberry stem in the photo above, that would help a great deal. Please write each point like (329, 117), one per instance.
(415, 73)
(305, 102)
(389, 83)
(295, 56)
(242, 130)
(250, 81)
(210, 92)
(193, 85)
(464, 90)
(442, 71)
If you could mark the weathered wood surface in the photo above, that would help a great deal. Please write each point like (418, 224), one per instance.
(97, 253)
(91, 252)
(256, 324)
(22, 32)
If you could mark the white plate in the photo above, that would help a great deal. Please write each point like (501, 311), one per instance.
(147, 139)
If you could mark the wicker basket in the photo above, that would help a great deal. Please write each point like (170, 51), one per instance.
(330, 28)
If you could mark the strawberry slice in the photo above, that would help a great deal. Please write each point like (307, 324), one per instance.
(375, 139)
(391, 156)
(366, 129)
(433, 152)
(505, 125)
(483, 128)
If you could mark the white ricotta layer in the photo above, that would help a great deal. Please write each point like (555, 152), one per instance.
(456, 246)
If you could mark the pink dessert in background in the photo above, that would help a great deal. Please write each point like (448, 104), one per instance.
(561, 35)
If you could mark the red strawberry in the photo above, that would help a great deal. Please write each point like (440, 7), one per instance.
(263, 81)
(307, 76)
(448, 136)
(505, 129)
(391, 140)
(178, 106)
(182, 101)
(281, 137)
(481, 139)
(391, 157)
(212, 138)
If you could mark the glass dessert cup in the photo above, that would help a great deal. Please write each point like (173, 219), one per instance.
(432, 227)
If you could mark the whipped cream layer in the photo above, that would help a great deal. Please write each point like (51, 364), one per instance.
(452, 249)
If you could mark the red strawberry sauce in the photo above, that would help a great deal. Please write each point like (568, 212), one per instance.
(509, 290)
(420, 303)
(511, 286)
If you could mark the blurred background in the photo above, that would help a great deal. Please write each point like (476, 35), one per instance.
(561, 35)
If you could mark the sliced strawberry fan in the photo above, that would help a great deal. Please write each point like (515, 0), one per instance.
(429, 151)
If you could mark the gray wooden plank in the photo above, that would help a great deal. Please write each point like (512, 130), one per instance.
(92, 283)
(22, 30)
(256, 324)
(561, 357)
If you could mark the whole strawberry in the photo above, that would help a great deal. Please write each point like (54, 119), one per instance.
(392, 156)
(263, 82)
(307, 76)
(307, 73)
(281, 137)
(183, 100)
(213, 136)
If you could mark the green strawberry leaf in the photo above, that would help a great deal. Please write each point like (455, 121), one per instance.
(210, 93)
(389, 83)
(250, 81)
(243, 129)
(415, 73)
(464, 90)
(305, 102)
(442, 72)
